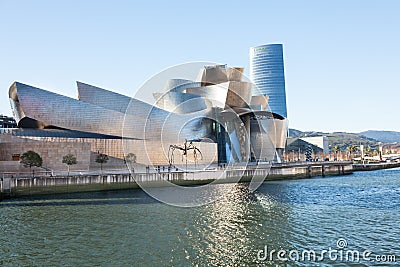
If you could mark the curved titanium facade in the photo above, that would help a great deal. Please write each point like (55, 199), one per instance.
(53, 110)
(44, 109)
(176, 99)
(180, 102)
(267, 73)
(102, 98)
(216, 110)
(144, 121)
(180, 85)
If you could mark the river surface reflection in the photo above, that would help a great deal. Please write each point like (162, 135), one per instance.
(129, 228)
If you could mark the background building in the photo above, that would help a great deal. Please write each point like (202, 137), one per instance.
(267, 73)
(319, 141)
(7, 122)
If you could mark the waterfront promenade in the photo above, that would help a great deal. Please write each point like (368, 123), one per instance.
(376, 166)
(23, 185)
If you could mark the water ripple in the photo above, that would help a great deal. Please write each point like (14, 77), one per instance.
(128, 228)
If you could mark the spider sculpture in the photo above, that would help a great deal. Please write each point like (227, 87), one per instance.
(185, 149)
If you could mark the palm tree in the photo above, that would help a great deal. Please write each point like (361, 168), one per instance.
(368, 151)
(336, 150)
(351, 149)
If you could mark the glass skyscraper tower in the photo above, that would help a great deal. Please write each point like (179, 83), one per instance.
(267, 73)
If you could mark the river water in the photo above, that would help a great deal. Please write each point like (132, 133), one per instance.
(359, 212)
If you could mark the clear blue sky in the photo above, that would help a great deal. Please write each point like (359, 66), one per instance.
(342, 58)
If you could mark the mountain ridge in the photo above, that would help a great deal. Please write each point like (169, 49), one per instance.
(372, 138)
(382, 136)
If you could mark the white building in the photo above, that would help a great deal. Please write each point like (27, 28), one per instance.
(319, 141)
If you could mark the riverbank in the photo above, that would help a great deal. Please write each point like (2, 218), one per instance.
(28, 186)
(375, 166)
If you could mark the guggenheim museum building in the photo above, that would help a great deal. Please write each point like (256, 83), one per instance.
(219, 118)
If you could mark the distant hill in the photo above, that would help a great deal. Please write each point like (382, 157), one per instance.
(371, 139)
(295, 133)
(344, 140)
(341, 139)
(382, 136)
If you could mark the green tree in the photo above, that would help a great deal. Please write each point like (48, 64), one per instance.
(31, 159)
(130, 158)
(102, 159)
(69, 159)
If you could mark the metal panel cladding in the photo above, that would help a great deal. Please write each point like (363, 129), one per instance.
(51, 109)
(267, 73)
